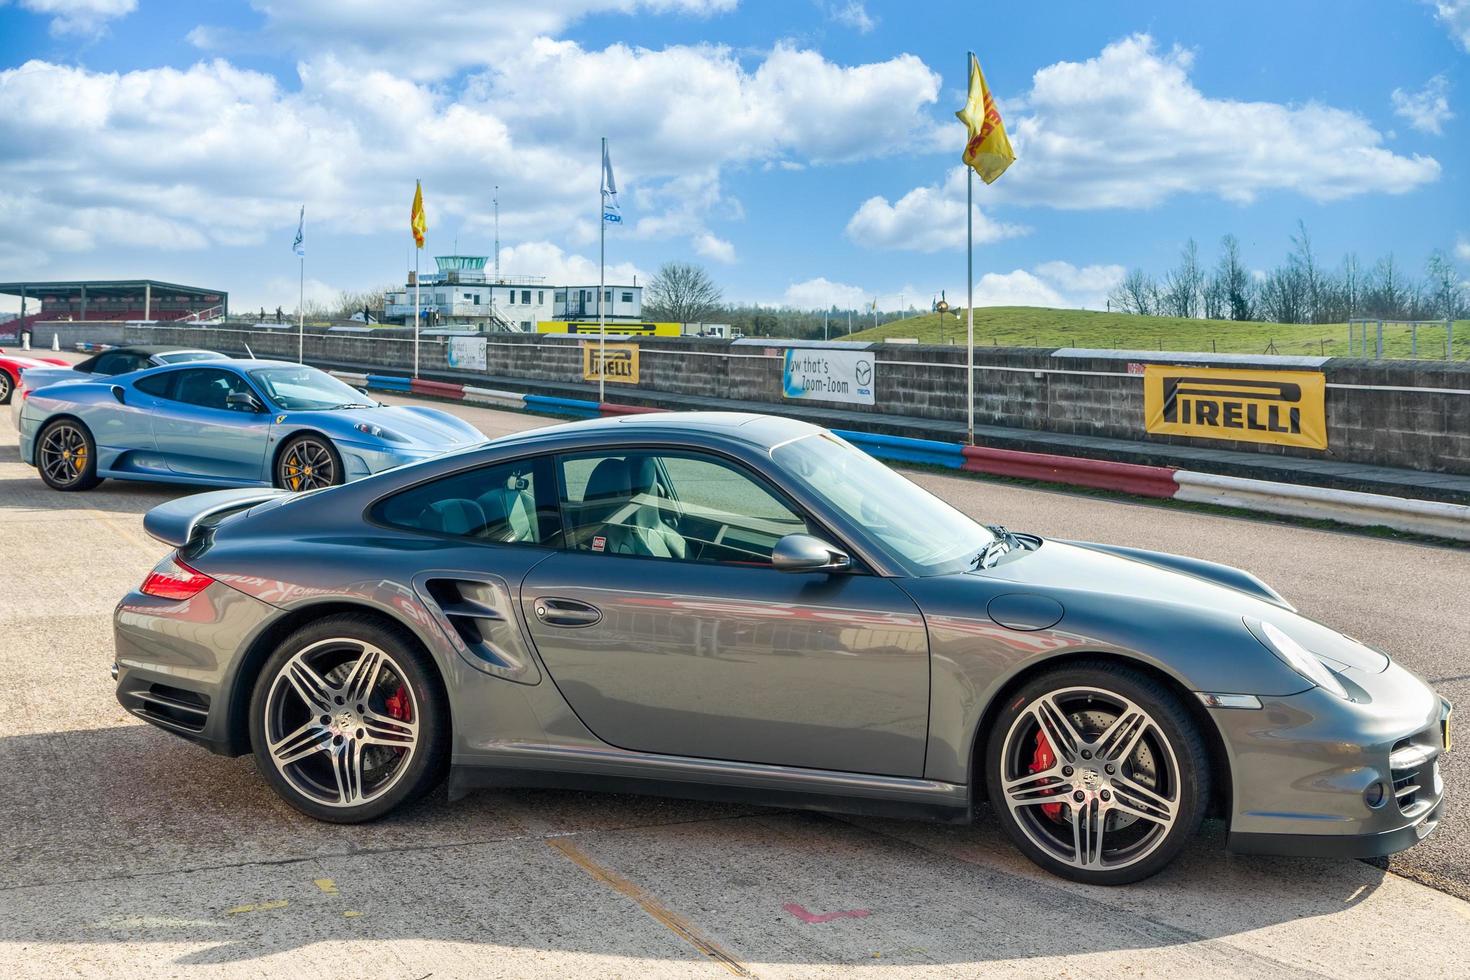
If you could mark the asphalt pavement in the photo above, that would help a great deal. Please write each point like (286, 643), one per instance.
(126, 851)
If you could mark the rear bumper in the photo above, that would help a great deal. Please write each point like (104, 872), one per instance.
(178, 663)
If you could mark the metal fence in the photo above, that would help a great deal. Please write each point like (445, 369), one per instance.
(1367, 338)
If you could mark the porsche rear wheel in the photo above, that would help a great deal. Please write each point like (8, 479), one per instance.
(1097, 773)
(349, 720)
(309, 462)
(66, 456)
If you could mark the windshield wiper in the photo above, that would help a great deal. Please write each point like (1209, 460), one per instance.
(336, 408)
(1003, 543)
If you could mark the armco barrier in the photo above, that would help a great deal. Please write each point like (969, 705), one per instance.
(389, 382)
(1364, 509)
(1145, 481)
(437, 389)
(1345, 506)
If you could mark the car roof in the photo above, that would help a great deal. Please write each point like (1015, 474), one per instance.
(763, 432)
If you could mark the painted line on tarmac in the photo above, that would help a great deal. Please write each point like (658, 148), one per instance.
(656, 910)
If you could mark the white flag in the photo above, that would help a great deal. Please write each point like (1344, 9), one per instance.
(610, 210)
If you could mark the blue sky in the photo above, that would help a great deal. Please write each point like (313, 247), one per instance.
(804, 151)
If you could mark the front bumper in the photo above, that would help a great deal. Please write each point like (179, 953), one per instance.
(1316, 775)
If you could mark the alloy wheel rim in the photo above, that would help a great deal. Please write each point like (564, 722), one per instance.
(64, 454)
(1106, 794)
(308, 465)
(341, 722)
(4, 386)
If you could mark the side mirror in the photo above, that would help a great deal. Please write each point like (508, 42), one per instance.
(804, 553)
(119, 392)
(237, 400)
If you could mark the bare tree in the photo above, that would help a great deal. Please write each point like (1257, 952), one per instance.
(1311, 276)
(1137, 293)
(1283, 294)
(681, 292)
(1446, 290)
(1386, 293)
(1184, 286)
(1235, 281)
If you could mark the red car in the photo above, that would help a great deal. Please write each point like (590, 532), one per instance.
(12, 364)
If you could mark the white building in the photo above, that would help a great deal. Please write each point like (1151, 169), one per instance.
(461, 294)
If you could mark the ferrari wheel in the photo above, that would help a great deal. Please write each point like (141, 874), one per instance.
(308, 463)
(66, 455)
(7, 388)
(348, 720)
(1097, 773)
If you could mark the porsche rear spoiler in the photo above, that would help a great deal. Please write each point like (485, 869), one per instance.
(176, 522)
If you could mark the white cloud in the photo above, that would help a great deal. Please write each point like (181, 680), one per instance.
(854, 14)
(926, 219)
(84, 17)
(1130, 129)
(1018, 288)
(821, 294)
(1428, 109)
(679, 118)
(1455, 16)
(1087, 286)
(714, 248)
(1462, 249)
(562, 268)
(426, 39)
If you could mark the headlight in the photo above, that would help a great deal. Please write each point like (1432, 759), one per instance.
(378, 432)
(1299, 658)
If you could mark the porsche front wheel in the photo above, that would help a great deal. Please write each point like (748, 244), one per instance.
(1097, 773)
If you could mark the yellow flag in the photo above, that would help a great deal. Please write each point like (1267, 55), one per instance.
(416, 221)
(988, 149)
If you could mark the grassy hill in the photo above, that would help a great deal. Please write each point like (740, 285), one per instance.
(1031, 326)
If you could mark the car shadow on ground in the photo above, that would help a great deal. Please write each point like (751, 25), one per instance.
(128, 834)
(29, 493)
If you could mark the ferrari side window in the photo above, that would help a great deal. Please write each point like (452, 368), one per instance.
(495, 504)
(684, 506)
(208, 387)
(158, 385)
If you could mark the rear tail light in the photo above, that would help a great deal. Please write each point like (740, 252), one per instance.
(175, 580)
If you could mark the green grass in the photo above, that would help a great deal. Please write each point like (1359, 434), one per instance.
(1031, 326)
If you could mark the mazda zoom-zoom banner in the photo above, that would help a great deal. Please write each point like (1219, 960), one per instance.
(1282, 407)
(828, 375)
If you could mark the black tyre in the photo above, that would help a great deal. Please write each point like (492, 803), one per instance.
(7, 387)
(1097, 773)
(349, 719)
(308, 462)
(66, 456)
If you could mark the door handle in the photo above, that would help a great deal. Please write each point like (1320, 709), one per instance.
(566, 612)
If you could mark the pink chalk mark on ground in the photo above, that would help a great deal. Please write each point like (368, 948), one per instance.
(811, 917)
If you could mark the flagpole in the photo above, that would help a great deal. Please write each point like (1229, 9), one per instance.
(301, 316)
(417, 249)
(970, 291)
(602, 281)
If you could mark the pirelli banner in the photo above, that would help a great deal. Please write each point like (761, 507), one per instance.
(618, 363)
(1282, 407)
(621, 327)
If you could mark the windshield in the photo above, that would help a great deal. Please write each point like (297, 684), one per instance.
(180, 356)
(924, 532)
(304, 389)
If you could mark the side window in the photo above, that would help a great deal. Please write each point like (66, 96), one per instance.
(684, 506)
(208, 387)
(158, 385)
(118, 362)
(509, 503)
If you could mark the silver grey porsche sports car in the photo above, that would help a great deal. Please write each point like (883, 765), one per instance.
(749, 608)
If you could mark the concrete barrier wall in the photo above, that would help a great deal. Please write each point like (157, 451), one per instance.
(1413, 414)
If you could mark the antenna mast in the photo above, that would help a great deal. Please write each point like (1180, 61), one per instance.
(497, 232)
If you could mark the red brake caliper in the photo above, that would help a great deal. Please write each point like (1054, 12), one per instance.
(398, 706)
(1041, 760)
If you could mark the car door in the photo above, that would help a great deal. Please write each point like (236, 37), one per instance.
(201, 435)
(666, 628)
